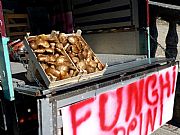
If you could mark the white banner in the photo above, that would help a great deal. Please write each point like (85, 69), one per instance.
(138, 108)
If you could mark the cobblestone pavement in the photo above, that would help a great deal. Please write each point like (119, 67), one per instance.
(167, 130)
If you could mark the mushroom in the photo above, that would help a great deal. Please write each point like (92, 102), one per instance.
(40, 54)
(53, 33)
(72, 40)
(56, 55)
(52, 77)
(100, 66)
(79, 46)
(89, 53)
(39, 51)
(63, 71)
(42, 58)
(93, 64)
(53, 45)
(53, 37)
(63, 38)
(60, 51)
(90, 69)
(81, 56)
(69, 64)
(75, 49)
(75, 73)
(44, 66)
(82, 44)
(85, 72)
(50, 63)
(54, 72)
(31, 39)
(72, 55)
(59, 45)
(85, 53)
(61, 59)
(68, 48)
(75, 59)
(52, 66)
(96, 59)
(43, 43)
(62, 68)
(71, 72)
(33, 45)
(49, 50)
(88, 59)
(52, 58)
(86, 47)
(64, 75)
(81, 65)
(43, 37)
(97, 69)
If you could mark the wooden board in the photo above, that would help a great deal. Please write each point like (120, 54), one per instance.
(17, 25)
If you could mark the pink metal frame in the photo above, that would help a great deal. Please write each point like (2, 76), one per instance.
(2, 25)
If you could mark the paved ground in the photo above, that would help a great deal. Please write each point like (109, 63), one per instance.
(162, 32)
(167, 129)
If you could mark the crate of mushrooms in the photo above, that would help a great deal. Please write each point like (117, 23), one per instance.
(63, 58)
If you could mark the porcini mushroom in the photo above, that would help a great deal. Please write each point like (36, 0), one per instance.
(33, 45)
(63, 38)
(54, 72)
(61, 59)
(81, 65)
(39, 51)
(72, 40)
(43, 43)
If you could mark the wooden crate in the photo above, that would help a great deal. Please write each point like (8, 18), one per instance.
(17, 25)
(81, 77)
(44, 76)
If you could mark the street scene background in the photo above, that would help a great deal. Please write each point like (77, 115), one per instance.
(172, 128)
(162, 32)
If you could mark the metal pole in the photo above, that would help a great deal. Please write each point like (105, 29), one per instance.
(5, 70)
(6, 80)
(148, 32)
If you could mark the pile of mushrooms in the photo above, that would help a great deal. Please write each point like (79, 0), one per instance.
(82, 55)
(63, 56)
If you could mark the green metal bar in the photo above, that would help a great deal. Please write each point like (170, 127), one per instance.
(148, 31)
(5, 70)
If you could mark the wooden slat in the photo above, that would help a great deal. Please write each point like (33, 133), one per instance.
(17, 25)
(121, 24)
(105, 5)
(17, 33)
(170, 6)
(8, 16)
(103, 16)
